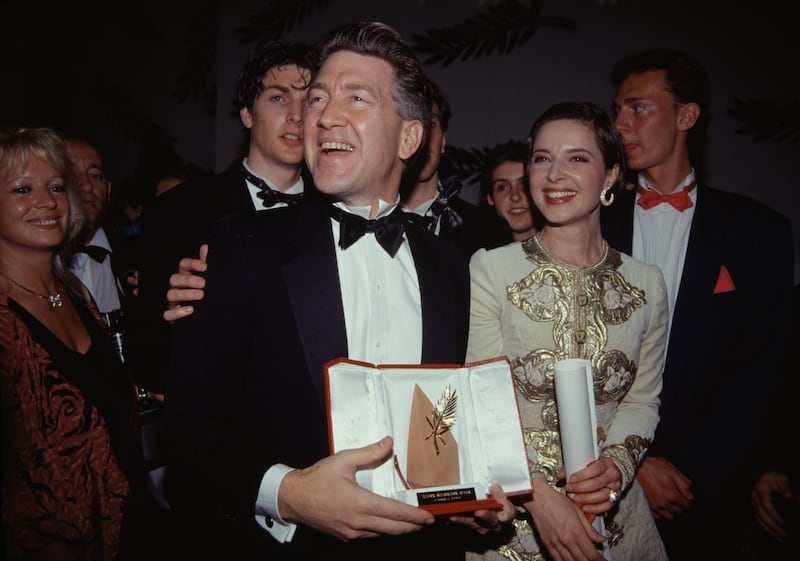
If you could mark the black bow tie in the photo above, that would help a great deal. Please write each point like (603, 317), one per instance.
(425, 222)
(96, 252)
(441, 207)
(269, 196)
(388, 229)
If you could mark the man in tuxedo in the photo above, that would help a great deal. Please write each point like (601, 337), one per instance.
(434, 198)
(246, 434)
(92, 263)
(101, 262)
(727, 262)
(270, 95)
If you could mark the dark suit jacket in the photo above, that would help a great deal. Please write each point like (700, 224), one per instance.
(177, 222)
(246, 385)
(724, 349)
(174, 226)
(782, 422)
(482, 228)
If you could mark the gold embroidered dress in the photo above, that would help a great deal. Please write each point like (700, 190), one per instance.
(536, 310)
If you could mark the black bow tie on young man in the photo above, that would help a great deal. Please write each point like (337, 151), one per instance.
(269, 196)
(96, 252)
(388, 229)
(447, 190)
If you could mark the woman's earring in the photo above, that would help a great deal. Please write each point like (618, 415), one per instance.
(606, 197)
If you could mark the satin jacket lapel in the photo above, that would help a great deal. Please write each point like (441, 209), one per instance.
(438, 317)
(312, 283)
(232, 192)
(700, 269)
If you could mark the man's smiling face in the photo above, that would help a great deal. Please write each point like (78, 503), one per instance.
(355, 140)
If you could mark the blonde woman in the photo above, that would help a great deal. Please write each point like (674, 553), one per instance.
(72, 467)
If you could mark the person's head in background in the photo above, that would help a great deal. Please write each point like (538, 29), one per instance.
(93, 184)
(368, 114)
(575, 163)
(504, 186)
(270, 97)
(662, 111)
(421, 181)
(437, 140)
(160, 168)
(37, 183)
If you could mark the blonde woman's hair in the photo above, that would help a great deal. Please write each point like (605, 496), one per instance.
(47, 144)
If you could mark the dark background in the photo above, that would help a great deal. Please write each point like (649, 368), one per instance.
(139, 77)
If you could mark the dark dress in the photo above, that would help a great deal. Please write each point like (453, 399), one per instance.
(72, 466)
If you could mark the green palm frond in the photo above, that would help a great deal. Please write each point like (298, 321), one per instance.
(279, 17)
(197, 81)
(119, 109)
(766, 119)
(501, 29)
(466, 164)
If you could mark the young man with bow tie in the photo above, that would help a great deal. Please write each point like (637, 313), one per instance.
(270, 95)
(246, 432)
(727, 262)
(433, 200)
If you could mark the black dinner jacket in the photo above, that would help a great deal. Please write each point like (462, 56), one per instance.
(481, 228)
(724, 348)
(179, 220)
(174, 226)
(246, 387)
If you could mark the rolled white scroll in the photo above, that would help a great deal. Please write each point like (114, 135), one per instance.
(577, 418)
(576, 413)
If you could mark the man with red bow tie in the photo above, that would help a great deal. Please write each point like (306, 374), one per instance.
(727, 262)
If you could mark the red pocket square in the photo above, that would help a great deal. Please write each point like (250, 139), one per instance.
(724, 282)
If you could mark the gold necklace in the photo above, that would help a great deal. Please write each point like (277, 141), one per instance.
(54, 299)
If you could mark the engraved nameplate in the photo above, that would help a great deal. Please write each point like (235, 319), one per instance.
(448, 496)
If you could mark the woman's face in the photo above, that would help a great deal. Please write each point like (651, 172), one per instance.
(567, 172)
(34, 208)
(510, 198)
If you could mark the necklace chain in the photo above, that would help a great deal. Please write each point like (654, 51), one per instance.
(55, 300)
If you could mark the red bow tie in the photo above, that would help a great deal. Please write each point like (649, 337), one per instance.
(679, 200)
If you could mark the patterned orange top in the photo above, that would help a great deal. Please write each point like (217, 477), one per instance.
(63, 480)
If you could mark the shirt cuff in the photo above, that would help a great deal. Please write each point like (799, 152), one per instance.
(267, 515)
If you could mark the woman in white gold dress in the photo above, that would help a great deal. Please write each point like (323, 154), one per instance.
(564, 293)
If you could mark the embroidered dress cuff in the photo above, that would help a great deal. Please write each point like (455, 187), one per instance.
(624, 462)
(539, 471)
(267, 515)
